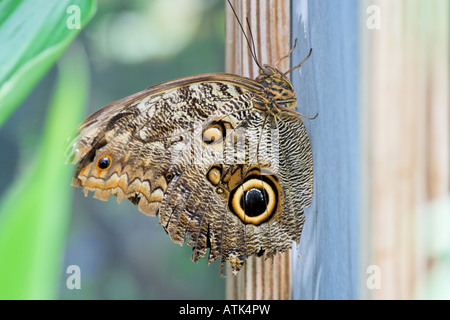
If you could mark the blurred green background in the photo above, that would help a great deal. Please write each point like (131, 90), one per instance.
(46, 225)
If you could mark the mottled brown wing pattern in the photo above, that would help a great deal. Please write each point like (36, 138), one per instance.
(222, 160)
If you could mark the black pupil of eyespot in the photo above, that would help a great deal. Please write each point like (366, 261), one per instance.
(103, 163)
(254, 202)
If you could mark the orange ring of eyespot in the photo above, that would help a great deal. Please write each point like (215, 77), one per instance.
(169, 176)
(253, 183)
(110, 162)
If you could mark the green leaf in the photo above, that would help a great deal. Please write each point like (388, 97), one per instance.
(35, 211)
(33, 35)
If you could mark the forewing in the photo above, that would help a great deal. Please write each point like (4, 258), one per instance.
(141, 134)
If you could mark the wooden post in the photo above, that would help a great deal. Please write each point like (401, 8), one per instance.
(406, 133)
(270, 26)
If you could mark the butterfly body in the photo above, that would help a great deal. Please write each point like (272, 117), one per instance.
(224, 161)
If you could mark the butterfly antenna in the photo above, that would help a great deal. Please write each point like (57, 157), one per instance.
(300, 64)
(252, 48)
(288, 54)
(255, 57)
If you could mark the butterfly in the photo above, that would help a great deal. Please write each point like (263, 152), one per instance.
(223, 161)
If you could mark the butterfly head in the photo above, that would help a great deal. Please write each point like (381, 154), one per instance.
(277, 86)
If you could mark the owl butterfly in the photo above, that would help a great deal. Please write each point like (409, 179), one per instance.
(223, 161)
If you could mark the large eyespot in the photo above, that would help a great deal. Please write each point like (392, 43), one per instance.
(255, 200)
(214, 133)
(104, 163)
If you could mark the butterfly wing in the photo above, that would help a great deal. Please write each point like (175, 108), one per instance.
(201, 155)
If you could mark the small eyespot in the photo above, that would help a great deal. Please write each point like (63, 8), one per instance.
(213, 133)
(169, 176)
(220, 190)
(214, 175)
(104, 163)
